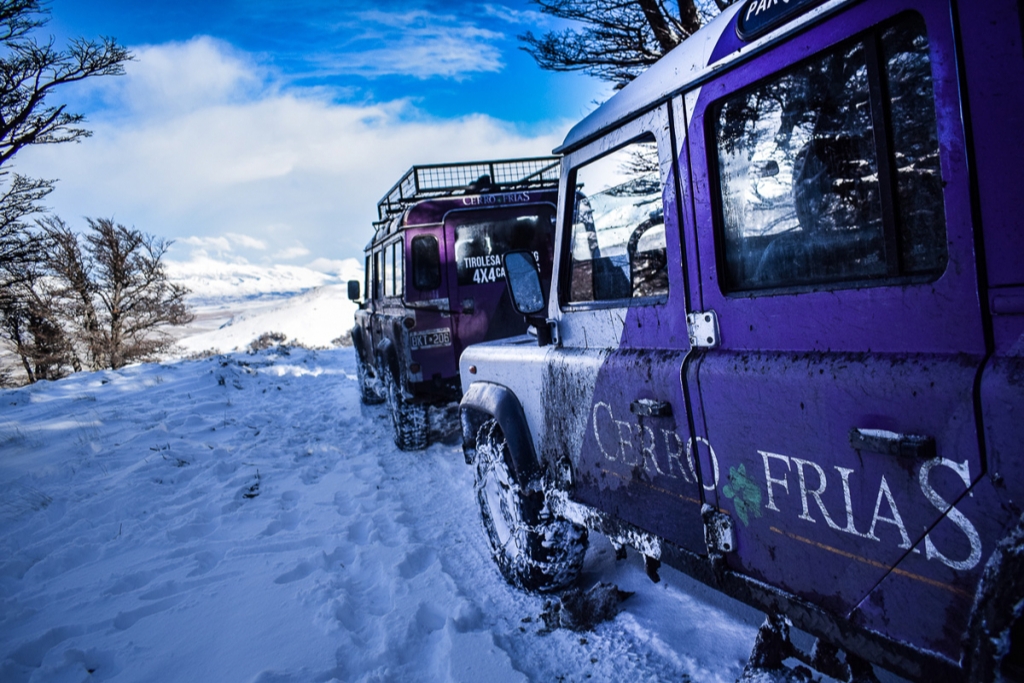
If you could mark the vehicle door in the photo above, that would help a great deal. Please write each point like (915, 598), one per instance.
(375, 296)
(427, 303)
(836, 248)
(481, 236)
(613, 398)
(364, 313)
(390, 309)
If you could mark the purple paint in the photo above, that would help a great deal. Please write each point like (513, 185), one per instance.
(854, 402)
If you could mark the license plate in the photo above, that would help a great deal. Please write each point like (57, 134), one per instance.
(429, 339)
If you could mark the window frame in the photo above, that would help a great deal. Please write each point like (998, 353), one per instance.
(635, 130)
(398, 268)
(884, 156)
(436, 279)
(368, 276)
(378, 274)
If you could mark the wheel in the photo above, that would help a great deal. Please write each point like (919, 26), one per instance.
(534, 550)
(369, 387)
(409, 421)
(996, 649)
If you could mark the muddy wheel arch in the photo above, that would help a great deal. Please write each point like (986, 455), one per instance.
(994, 650)
(484, 401)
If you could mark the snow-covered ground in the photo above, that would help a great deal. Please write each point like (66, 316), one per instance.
(243, 517)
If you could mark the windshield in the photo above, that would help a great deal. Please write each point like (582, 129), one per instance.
(483, 237)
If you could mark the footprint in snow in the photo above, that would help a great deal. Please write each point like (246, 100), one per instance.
(417, 562)
(130, 582)
(359, 532)
(125, 620)
(31, 654)
(303, 570)
(205, 561)
(287, 521)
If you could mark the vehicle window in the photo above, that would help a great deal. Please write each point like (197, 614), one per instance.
(367, 278)
(398, 259)
(378, 274)
(618, 230)
(483, 237)
(829, 172)
(426, 263)
(387, 272)
(915, 148)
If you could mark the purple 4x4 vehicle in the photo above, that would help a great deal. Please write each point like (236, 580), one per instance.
(434, 281)
(782, 347)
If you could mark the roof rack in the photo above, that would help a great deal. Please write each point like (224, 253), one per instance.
(442, 180)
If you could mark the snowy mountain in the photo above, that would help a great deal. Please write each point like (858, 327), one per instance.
(210, 279)
(236, 303)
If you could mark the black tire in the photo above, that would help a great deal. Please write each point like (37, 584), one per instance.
(369, 387)
(409, 421)
(996, 648)
(534, 550)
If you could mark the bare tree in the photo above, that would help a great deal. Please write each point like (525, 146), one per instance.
(30, 71)
(18, 245)
(21, 254)
(32, 323)
(114, 291)
(619, 38)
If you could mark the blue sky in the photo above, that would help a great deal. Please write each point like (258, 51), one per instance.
(265, 131)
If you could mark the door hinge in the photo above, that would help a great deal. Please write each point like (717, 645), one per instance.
(556, 337)
(703, 329)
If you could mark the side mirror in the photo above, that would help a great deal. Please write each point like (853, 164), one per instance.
(523, 279)
(353, 290)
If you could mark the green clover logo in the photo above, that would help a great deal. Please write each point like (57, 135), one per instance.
(744, 492)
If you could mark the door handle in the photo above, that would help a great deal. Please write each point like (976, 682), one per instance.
(651, 407)
(915, 446)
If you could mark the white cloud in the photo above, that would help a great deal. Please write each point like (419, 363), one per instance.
(345, 269)
(514, 16)
(208, 243)
(292, 253)
(246, 241)
(417, 43)
(170, 79)
(253, 171)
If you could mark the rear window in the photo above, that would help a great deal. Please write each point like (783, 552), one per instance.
(426, 263)
(828, 173)
(483, 237)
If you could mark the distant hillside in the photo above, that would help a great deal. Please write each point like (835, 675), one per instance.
(235, 303)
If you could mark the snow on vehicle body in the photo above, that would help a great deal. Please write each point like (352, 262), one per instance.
(434, 282)
(787, 314)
